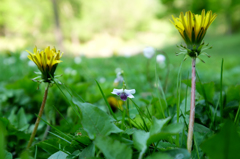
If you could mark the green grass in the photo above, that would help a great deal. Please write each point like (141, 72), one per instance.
(161, 129)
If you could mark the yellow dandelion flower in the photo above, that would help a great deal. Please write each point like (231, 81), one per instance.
(193, 27)
(46, 61)
(115, 104)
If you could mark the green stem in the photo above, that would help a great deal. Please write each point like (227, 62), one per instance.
(236, 117)
(221, 96)
(192, 108)
(39, 117)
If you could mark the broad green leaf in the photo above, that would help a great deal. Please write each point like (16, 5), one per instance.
(22, 120)
(74, 155)
(224, 144)
(173, 128)
(158, 125)
(140, 138)
(158, 131)
(58, 155)
(166, 131)
(113, 148)
(88, 152)
(179, 153)
(19, 120)
(95, 121)
(233, 93)
(166, 145)
(49, 145)
(7, 155)
(171, 154)
(206, 89)
(159, 156)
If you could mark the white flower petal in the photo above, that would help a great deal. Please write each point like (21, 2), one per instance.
(130, 96)
(130, 91)
(117, 91)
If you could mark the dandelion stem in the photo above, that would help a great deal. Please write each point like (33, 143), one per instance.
(38, 119)
(192, 108)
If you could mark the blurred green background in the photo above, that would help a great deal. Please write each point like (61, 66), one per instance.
(104, 27)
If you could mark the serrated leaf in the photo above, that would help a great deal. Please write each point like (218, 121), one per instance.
(95, 121)
(224, 144)
(113, 148)
(58, 155)
(87, 152)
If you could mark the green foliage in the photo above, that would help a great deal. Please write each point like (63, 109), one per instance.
(112, 148)
(58, 155)
(78, 124)
(223, 144)
(95, 121)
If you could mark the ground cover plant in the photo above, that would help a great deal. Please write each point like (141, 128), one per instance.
(83, 119)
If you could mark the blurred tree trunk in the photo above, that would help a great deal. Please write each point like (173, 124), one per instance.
(2, 24)
(58, 32)
(2, 30)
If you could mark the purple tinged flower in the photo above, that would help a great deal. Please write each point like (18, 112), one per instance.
(119, 78)
(124, 93)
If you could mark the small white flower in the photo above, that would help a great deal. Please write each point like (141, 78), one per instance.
(77, 60)
(73, 72)
(160, 58)
(102, 80)
(68, 70)
(31, 64)
(9, 61)
(148, 52)
(23, 55)
(124, 94)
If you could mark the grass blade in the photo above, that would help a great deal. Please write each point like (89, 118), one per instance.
(109, 108)
(179, 78)
(159, 99)
(221, 89)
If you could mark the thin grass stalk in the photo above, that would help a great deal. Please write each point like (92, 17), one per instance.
(185, 108)
(196, 146)
(179, 78)
(236, 117)
(39, 117)
(157, 83)
(168, 70)
(221, 96)
(192, 108)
